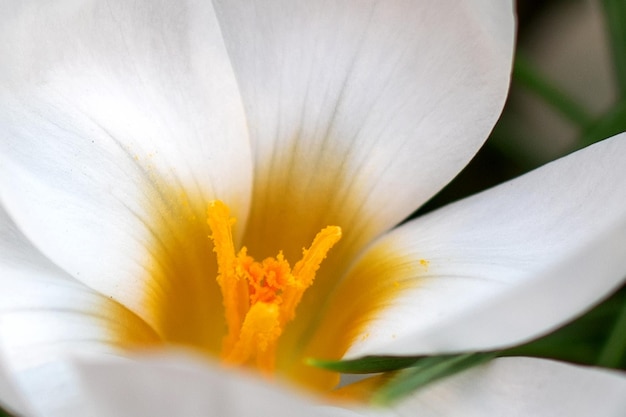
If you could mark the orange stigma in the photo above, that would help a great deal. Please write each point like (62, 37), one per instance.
(260, 298)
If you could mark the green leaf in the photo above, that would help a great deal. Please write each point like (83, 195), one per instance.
(585, 341)
(424, 371)
(367, 364)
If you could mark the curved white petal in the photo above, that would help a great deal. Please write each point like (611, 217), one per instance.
(508, 387)
(118, 121)
(175, 385)
(521, 387)
(10, 397)
(500, 267)
(359, 111)
(45, 313)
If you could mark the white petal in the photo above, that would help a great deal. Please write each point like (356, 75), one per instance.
(44, 313)
(177, 386)
(360, 111)
(115, 116)
(500, 267)
(512, 387)
(10, 398)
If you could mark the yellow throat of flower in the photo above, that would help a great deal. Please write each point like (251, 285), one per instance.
(260, 298)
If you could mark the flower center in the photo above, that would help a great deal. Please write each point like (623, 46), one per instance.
(260, 298)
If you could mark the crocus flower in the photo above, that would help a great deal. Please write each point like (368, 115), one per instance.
(135, 133)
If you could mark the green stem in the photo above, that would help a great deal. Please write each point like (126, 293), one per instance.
(615, 346)
(615, 20)
(530, 78)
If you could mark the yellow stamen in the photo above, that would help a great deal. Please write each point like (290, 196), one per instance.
(260, 298)
(234, 289)
(306, 268)
(259, 334)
